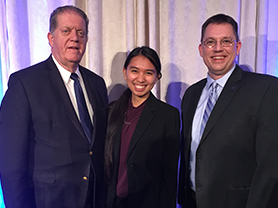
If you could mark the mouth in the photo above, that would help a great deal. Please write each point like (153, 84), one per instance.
(216, 58)
(73, 48)
(140, 87)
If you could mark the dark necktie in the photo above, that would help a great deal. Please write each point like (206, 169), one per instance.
(210, 104)
(82, 108)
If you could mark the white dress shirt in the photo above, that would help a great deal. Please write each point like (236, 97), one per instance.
(69, 83)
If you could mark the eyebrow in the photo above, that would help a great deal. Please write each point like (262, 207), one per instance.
(134, 67)
(220, 38)
(153, 70)
(63, 27)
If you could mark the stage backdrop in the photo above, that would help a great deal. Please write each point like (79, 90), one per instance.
(172, 27)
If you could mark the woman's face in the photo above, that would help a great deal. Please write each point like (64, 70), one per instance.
(140, 76)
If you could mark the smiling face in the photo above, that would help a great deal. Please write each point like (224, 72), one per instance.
(219, 59)
(140, 76)
(68, 41)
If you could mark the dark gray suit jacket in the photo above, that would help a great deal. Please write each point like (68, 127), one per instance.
(45, 158)
(237, 158)
(152, 158)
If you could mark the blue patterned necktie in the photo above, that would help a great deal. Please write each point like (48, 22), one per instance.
(82, 108)
(210, 104)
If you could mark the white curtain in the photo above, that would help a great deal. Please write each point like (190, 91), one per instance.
(171, 27)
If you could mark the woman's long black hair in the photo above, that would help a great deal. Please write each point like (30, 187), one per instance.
(118, 109)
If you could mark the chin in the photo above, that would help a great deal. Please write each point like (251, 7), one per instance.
(74, 60)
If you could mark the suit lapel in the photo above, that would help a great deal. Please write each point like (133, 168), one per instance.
(62, 95)
(91, 92)
(193, 103)
(188, 112)
(224, 99)
(144, 121)
(90, 88)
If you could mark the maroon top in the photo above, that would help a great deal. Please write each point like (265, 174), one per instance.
(132, 116)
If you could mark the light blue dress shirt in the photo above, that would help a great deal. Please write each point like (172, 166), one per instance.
(198, 117)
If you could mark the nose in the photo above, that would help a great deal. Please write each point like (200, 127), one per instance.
(218, 46)
(74, 35)
(141, 77)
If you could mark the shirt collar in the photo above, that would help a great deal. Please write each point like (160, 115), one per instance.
(65, 74)
(221, 81)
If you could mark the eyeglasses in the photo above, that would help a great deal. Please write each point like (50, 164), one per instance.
(225, 42)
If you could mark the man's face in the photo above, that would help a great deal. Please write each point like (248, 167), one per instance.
(219, 59)
(68, 41)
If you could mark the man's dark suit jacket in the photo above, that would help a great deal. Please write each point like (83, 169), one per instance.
(237, 158)
(152, 158)
(45, 158)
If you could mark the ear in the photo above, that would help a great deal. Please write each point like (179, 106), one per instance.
(124, 72)
(50, 38)
(159, 76)
(86, 39)
(201, 50)
(238, 47)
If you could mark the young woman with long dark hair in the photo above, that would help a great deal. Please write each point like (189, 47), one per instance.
(142, 145)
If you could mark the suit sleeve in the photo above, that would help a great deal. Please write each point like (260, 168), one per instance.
(264, 187)
(15, 130)
(170, 161)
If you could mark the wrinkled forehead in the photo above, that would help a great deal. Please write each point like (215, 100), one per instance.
(69, 14)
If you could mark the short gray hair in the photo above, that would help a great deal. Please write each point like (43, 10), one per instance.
(53, 24)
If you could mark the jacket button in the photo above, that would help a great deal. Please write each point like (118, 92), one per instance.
(85, 178)
(91, 152)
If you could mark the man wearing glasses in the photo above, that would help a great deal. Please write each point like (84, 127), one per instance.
(230, 129)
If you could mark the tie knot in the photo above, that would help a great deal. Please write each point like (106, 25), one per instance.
(74, 76)
(213, 89)
(214, 85)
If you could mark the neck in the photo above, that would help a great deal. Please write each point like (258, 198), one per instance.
(71, 66)
(136, 101)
